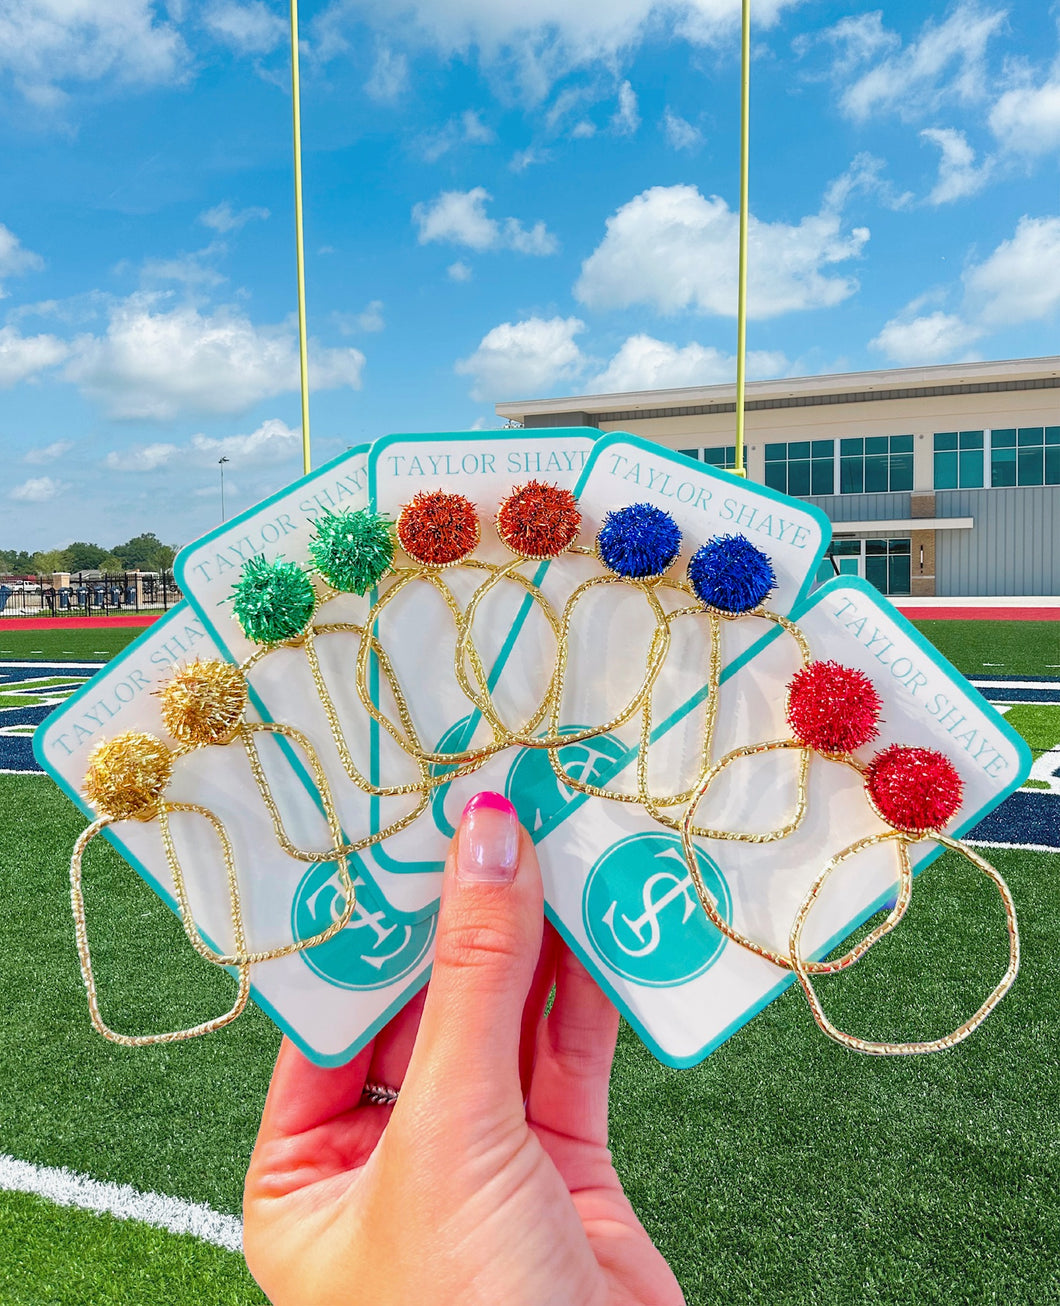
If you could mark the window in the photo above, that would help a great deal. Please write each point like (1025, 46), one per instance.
(884, 563)
(887, 565)
(876, 464)
(958, 460)
(721, 456)
(804, 467)
(1025, 455)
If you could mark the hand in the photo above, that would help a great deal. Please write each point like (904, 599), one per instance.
(489, 1180)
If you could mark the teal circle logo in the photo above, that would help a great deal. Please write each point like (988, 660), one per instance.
(372, 951)
(642, 915)
(539, 797)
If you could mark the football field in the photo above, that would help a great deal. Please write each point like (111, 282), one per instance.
(783, 1169)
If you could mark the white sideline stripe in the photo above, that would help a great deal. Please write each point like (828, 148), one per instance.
(1018, 847)
(1014, 684)
(50, 666)
(66, 1188)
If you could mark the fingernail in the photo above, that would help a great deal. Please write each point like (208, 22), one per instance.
(488, 849)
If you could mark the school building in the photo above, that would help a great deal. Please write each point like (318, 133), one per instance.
(938, 480)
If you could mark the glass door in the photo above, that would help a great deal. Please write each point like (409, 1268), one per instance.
(883, 563)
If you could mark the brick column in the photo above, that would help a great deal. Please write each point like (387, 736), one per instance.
(922, 548)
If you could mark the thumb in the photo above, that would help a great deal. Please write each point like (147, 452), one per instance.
(486, 948)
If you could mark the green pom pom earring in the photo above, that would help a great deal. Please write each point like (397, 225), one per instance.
(353, 550)
(273, 601)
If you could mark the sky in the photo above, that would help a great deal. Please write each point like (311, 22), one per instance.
(502, 201)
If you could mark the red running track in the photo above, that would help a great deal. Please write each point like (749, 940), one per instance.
(144, 619)
(980, 614)
(79, 623)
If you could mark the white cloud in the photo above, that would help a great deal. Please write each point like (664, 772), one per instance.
(1026, 120)
(1020, 280)
(156, 362)
(273, 441)
(958, 174)
(38, 489)
(141, 457)
(248, 28)
(459, 218)
(15, 259)
(627, 118)
(854, 40)
(537, 41)
(222, 218)
(673, 249)
(931, 338)
(865, 177)
(459, 271)
(21, 357)
(583, 130)
(390, 75)
(680, 134)
(47, 43)
(194, 269)
(521, 358)
(644, 363)
(523, 159)
(946, 62)
(49, 452)
(475, 130)
(371, 319)
(466, 129)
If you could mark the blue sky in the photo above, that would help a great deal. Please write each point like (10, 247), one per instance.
(501, 201)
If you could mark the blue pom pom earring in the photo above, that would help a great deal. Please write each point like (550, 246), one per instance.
(730, 575)
(639, 542)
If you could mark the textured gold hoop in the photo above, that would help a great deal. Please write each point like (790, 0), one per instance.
(887, 1049)
(77, 903)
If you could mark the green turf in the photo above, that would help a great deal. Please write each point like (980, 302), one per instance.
(783, 1170)
(65, 1257)
(997, 648)
(64, 644)
(178, 1119)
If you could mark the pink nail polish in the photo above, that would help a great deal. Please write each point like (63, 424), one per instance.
(488, 848)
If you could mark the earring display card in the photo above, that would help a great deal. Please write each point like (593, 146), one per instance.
(331, 999)
(514, 642)
(604, 696)
(612, 625)
(283, 685)
(618, 886)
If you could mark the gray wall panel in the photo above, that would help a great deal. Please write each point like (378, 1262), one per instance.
(862, 507)
(1013, 548)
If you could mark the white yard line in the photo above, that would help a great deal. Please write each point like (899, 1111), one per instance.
(1018, 847)
(1049, 683)
(66, 1188)
(62, 666)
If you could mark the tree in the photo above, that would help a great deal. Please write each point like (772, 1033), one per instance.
(16, 562)
(83, 557)
(144, 553)
(110, 564)
(52, 560)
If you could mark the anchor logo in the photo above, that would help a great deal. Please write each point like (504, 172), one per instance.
(372, 950)
(680, 888)
(642, 916)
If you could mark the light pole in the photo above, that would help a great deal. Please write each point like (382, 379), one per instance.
(221, 463)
